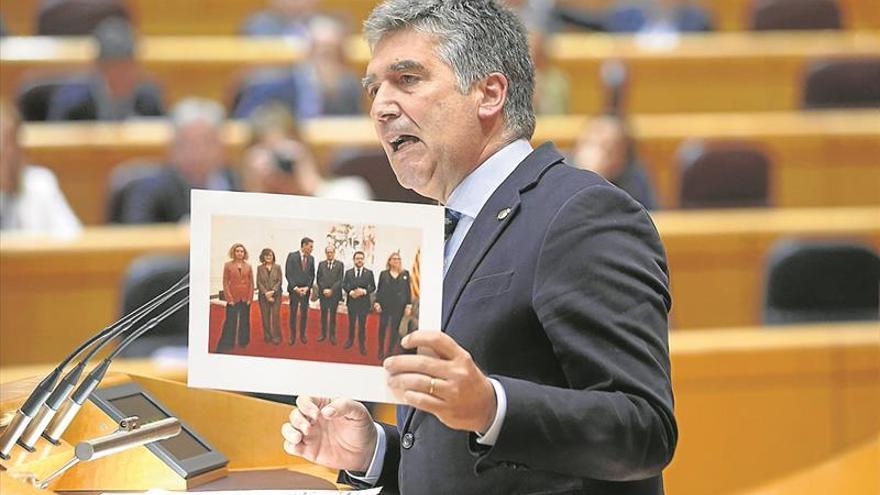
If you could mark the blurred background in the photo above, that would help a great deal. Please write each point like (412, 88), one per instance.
(749, 128)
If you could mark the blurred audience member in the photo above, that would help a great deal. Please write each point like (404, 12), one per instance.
(115, 89)
(322, 84)
(196, 160)
(657, 17)
(3, 30)
(280, 162)
(77, 17)
(537, 15)
(30, 199)
(552, 89)
(325, 83)
(281, 18)
(606, 147)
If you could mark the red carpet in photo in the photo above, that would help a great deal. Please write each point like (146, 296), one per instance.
(311, 351)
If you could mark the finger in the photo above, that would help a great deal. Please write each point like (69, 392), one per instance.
(442, 344)
(424, 402)
(302, 424)
(290, 434)
(290, 448)
(345, 408)
(415, 363)
(307, 406)
(418, 383)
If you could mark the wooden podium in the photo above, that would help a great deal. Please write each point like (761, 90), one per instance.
(246, 430)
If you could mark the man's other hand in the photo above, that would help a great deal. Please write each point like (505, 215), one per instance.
(337, 433)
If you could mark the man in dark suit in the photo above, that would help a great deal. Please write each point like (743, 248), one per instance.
(329, 281)
(115, 89)
(299, 269)
(358, 284)
(551, 374)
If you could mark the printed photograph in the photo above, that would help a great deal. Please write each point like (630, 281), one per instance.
(295, 295)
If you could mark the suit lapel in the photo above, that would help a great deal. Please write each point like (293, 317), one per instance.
(485, 230)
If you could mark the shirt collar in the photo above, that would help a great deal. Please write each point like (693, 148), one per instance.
(475, 190)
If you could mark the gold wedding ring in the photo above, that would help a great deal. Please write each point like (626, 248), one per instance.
(431, 388)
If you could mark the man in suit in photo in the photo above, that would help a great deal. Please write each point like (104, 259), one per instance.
(358, 284)
(299, 269)
(329, 281)
(551, 373)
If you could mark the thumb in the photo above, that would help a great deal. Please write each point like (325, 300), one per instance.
(345, 408)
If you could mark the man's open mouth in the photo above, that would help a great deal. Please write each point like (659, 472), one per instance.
(402, 141)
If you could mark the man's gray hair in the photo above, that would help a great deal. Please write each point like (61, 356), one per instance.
(476, 38)
(192, 109)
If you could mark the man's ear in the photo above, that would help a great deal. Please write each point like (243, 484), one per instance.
(492, 95)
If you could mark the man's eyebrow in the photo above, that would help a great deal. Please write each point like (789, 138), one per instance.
(406, 65)
(401, 66)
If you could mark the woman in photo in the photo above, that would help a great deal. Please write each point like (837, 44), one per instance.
(269, 295)
(238, 292)
(393, 300)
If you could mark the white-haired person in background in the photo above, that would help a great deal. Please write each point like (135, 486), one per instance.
(196, 160)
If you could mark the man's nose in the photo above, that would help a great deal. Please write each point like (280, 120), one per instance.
(385, 106)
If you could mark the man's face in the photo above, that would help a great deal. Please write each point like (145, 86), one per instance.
(358, 260)
(307, 248)
(330, 251)
(197, 151)
(426, 126)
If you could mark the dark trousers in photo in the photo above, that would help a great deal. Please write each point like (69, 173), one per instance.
(328, 318)
(236, 327)
(361, 319)
(300, 303)
(390, 319)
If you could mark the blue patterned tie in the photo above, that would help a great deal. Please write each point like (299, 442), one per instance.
(452, 218)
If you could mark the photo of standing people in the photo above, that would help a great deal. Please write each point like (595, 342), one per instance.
(340, 295)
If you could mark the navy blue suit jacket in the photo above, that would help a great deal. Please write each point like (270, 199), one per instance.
(564, 301)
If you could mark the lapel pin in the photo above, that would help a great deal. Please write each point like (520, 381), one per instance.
(503, 213)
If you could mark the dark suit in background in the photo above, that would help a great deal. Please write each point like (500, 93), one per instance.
(299, 274)
(358, 308)
(87, 98)
(329, 277)
(564, 301)
(393, 294)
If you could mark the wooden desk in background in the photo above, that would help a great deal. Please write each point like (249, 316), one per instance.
(698, 73)
(819, 158)
(173, 17)
(57, 292)
(752, 404)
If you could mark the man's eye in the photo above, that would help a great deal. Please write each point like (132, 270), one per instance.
(408, 79)
(371, 91)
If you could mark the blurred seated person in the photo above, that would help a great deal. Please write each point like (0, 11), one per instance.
(657, 16)
(115, 89)
(552, 88)
(606, 147)
(281, 18)
(30, 199)
(322, 84)
(3, 30)
(279, 161)
(537, 15)
(196, 160)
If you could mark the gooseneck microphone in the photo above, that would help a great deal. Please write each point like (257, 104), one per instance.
(71, 407)
(56, 399)
(47, 392)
